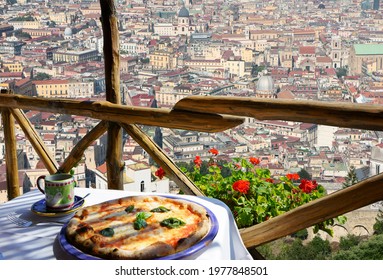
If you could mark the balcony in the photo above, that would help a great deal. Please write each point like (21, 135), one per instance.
(197, 113)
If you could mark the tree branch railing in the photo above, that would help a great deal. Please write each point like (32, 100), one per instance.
(333, 205)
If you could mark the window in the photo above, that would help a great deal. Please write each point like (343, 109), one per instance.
(142, 186)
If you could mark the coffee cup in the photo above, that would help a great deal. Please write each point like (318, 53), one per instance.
(59, 191)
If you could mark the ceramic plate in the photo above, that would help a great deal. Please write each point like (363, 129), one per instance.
(69, 248)
(40, 208)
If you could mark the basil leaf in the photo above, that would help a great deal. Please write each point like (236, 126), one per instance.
(143, 215)
(172, 223)
(108, 232)
(139, 224)
(160, 209)
(129, 209)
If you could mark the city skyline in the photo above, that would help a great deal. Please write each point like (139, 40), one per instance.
(303, 50)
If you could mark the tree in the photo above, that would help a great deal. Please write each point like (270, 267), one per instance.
(371, 249)
(316, 249)
(303, 174)
(378, 226)
(41, 76)
(351, 178)
(341, 72)
(349, 241)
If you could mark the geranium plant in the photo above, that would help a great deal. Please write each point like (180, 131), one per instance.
(252, 193)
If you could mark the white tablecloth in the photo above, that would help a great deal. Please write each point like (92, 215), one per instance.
(40, 242)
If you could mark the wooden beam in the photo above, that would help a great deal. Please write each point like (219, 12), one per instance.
(36, 141)
(77, 152)
(13, 187)
(171, 169)
(109, 23)
(103, 110)
(362, 116)
(338, 203)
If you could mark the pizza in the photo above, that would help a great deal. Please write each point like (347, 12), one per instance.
(138, 227)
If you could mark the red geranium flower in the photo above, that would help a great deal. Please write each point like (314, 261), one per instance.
(160, 173)
(308, 186)
(198, 161)
(292, 177)
(213, 151)
(254, 160)
(241, 186)
(269, 180)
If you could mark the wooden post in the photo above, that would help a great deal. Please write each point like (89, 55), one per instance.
(172, 170)
(36, 141)
(13, 187)
(109, 22)
(77, 152)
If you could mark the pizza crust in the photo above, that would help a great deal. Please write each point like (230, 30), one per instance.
(150, 242)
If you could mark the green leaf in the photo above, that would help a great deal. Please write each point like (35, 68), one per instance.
(129, 209)
(244, 217)
(160, 209)
(108, 232)
(172, 223)
(341, 219)
(143, 215)
(139, 224)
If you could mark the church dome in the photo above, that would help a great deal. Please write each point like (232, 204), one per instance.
(68, 32)
(183, 12)
(265, 84)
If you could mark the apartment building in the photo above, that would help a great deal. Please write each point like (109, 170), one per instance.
(75, 56)
(63, 88)
(12, 66)
(25, 24)
(12, 48)
(163, 59)
(51, 88)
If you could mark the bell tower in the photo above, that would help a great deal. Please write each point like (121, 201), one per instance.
(336, 51)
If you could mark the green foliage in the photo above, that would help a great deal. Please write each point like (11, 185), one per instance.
(145, 60)
(351, 247)
(23, 18)
(371, 249)
(293, 251)
(303, 174)
(22, 35)
(351, 177)
(316, 249)
(302, 234)
(341, 72)
(378, 226)
(349, 241)
(41, 76)
(250, 191)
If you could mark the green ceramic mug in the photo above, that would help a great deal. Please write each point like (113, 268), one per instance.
(58, 190)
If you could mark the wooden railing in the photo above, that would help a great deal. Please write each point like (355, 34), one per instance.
(210, 114)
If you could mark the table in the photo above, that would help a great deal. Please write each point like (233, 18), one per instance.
(40, 242)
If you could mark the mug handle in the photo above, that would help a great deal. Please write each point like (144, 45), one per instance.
(42, 177)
